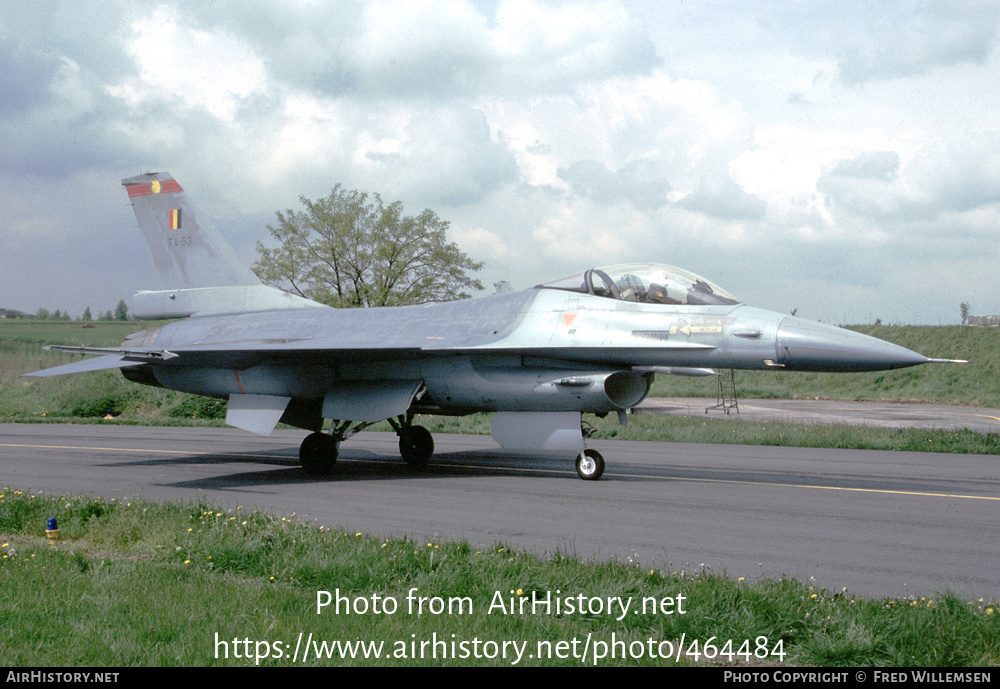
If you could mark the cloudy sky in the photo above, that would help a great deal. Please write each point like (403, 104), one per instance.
(842, 159)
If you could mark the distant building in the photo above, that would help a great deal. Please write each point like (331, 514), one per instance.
(984, 320)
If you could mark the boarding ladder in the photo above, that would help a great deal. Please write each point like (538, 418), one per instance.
(726, 398)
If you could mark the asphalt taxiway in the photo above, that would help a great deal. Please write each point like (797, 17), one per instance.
(877, 523)
(860, 413)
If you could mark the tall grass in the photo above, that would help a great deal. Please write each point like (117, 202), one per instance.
(85, 396)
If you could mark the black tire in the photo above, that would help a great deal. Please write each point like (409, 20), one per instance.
(590, 465)
(318, 454)
(416, 444)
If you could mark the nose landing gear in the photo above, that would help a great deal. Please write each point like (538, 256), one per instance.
(590, 465)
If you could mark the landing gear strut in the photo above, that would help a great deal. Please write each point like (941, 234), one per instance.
(589, 463)
(318, 452)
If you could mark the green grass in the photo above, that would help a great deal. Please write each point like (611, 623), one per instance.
(86, 396)
(138, 583)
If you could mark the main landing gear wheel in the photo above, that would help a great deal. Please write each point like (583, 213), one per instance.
(590, 465)
(416, 445)
(318, 454)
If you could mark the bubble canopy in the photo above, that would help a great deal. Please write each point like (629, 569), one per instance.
(647, 283)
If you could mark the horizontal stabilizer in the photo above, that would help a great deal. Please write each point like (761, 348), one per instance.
(98, 364)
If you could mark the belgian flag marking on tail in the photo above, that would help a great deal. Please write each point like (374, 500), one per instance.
(168, 186)
(174, 219)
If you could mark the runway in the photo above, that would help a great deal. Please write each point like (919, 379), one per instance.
(877, 523)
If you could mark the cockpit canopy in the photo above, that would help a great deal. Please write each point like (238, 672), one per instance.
(647, 283)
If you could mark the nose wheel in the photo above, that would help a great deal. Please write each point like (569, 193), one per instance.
(590, 465)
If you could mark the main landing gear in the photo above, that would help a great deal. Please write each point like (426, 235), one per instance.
(416, 444)
(318, 452)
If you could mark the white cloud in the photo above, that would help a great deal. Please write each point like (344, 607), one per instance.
(558, 46)
(860, 143)
(181, 64)
(420, 48)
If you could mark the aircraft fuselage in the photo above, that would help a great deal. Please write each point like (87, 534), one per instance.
(535, 350)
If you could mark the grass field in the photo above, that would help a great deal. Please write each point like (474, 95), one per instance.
(85, 396)
(133, 583)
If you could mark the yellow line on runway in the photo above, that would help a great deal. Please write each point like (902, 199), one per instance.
(722, 480)
(984, 416)
(104, 449)
(882, 491)
(133, 449)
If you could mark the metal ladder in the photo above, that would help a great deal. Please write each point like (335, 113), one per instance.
(726, 399)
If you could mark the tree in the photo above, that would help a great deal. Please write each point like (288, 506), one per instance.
(964, 306)
(349, 249)
(87, 315)
(121, 311)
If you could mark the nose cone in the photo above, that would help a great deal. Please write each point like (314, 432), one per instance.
(809, 346)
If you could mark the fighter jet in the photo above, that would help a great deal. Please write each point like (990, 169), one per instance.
(591, 342)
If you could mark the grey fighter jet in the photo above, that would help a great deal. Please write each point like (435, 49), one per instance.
(591, 342)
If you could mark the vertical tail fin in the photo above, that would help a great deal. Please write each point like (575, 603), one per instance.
(199, 271)
(187, 249)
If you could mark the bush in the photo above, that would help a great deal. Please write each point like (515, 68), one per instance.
(114, 403)
(196, 407)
